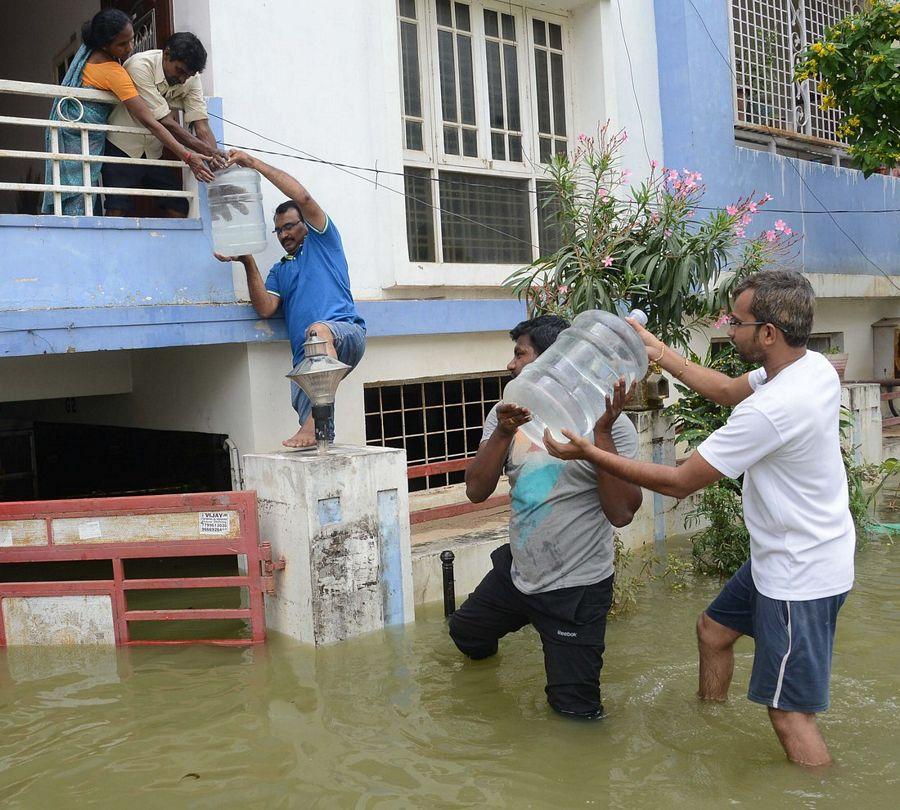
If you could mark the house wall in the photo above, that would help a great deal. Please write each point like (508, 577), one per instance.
(698, 132)
(29, 40)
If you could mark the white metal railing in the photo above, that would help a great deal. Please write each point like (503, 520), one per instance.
(768, 37)
(84, 157)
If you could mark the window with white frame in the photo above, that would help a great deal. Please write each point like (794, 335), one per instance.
(486, 102)
(768, 36)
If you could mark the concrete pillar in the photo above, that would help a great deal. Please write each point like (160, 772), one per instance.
(341, 523)
(864, 438)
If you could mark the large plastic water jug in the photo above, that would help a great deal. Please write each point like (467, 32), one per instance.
(567, 386)
(236, 209)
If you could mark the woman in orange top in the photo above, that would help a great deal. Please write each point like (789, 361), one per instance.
(107, 41)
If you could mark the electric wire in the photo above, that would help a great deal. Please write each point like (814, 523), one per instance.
(790, 162)
(438, 180)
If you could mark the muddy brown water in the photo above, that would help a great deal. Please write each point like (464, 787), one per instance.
(399, 719)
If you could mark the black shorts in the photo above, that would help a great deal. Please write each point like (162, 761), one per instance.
(129, 175)
(571, 623)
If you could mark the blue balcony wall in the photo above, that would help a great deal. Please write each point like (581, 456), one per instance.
(696, 97)
(49, 262)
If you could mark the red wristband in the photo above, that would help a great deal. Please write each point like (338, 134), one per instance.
(187, 157)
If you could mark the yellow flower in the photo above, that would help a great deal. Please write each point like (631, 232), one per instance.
(822, 87)
(818, 47)
(877, 58)
(854, 121)
(831, 48)
(828, 102)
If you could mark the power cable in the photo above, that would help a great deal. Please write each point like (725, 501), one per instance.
(790, 162)
(633, 88)
(343, 168)
(439, 180)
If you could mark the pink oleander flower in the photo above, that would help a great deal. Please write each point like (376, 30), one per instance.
(746, 219)
(771, 236)
(780, 225)
(603, 193)
(654, 164)
(731, 210)
(689, 214)
(667, 232)
(787, 231)
(607, 261)
(740, 232)
(673, 175)
(563, 289)
(765, 199)
(751, 207)
(625, 176)
(624, 135)
(721, 321)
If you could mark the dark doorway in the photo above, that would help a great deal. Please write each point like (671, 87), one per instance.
(152, 21)
(48, 461)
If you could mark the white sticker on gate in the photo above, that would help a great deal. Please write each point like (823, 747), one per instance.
(89, 530)
(216, 523)
(6, 537)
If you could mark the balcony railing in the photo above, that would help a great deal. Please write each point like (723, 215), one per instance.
(79, 94)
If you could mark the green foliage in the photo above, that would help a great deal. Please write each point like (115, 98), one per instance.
(864, 482)
(646, 246)
(859, 65)
(633, 571)
(723, 545)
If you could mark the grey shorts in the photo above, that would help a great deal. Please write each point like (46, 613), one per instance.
(794, 642)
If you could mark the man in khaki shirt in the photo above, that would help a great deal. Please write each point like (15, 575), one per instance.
(167, 80)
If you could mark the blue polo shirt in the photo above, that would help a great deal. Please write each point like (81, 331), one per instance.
(314, 285)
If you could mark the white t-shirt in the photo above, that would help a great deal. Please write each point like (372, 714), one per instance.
(785, 439)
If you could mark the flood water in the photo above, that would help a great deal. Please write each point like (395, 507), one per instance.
(399, 719)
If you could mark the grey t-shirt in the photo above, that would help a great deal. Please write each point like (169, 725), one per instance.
(558, 533)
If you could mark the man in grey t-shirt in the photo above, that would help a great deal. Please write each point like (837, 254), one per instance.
(556, 573)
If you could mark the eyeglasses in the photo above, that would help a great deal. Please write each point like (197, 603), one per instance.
(288, 226)
(734, 323)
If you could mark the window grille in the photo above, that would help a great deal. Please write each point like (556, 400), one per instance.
(768, 37)
(500, 203)
(433, 419)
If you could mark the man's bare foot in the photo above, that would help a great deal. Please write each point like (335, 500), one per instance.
(305, 437)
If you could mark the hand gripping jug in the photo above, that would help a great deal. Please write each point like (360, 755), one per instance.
(235, 206)
(567, 386)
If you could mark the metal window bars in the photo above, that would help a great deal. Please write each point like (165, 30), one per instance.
(55, 187)
(768, 38)
(438, 421)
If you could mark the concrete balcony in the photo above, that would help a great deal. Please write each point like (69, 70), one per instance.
(89, 283)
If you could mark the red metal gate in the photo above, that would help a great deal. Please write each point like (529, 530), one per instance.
(120, 529)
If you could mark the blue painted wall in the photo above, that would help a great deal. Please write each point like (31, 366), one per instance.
(64, 287)
(698, 133)
(60, 331)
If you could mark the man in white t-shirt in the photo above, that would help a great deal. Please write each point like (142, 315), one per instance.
(783, 437)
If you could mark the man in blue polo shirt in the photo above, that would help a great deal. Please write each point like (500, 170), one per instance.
(310, 284)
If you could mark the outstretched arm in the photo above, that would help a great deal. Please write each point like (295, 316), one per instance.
(712, 384)
(286, 184)
(486, 468)
(679, 482)
(619, 499)
(265, 303)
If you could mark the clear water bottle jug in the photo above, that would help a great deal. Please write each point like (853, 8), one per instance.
(566, 387)
(236, 209)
